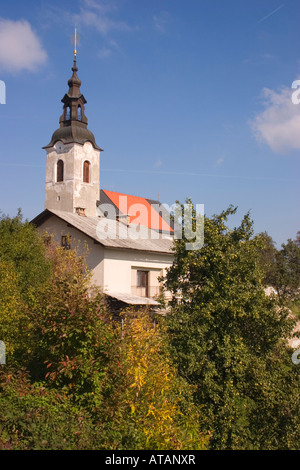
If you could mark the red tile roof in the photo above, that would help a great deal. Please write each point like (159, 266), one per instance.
(142, 211)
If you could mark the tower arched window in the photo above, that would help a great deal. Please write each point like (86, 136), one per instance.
(86, 172)
(79, 113)
(60, 171)
(68, 113)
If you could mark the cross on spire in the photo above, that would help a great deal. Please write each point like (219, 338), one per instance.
(75, 40)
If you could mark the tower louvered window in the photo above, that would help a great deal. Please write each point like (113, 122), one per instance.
(60, 171)
(86, 172)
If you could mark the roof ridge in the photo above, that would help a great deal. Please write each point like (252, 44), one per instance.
(133, 195)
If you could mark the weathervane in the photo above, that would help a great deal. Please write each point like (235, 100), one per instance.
(75, 40)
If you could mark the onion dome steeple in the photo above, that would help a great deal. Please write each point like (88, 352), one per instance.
(73, 121)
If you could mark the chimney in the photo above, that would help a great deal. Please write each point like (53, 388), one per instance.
(81, 211)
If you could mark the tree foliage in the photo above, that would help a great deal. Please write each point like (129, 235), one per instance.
(230, 339)
(21, 246)
(73, 379)
(12, 308)
(32, 416)
(281, 268)
(155, 408)
(214, 373)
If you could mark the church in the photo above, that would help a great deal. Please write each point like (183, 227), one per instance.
(128, 238)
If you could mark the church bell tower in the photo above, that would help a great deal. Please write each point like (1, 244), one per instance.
(73, 157)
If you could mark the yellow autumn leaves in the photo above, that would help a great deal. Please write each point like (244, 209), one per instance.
(11, 308)
(155, 396)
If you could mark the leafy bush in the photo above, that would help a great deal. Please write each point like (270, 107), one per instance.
(34, 417)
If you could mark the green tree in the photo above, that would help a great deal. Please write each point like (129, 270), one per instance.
(56, 328)
(227, 336)
(267, 258)
(154, 409)
(24, 269)
(13, 320)
(287, 273)
(297, 241)
(33, 416)
(73, 333)
(21, 245)
(72, 380)
(281, 269)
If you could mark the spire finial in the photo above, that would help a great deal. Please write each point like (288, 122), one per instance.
(75, 40)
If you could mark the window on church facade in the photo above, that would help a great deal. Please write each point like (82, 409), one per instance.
(60, 171)
(68, 113)
(86, 172)
(79, 113)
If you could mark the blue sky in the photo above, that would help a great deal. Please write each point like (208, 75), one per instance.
(187, 99)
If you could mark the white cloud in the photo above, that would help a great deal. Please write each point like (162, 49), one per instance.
(219, 161)
(260, 59)
(158, 163)
(109, 49)
(279, 124)
(101, 6)
(96, 15)
(160, 21)
(104, 52)
(20, 47)
(99, 16)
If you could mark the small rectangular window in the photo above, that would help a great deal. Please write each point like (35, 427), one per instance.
(142, 279)
(66, 242)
